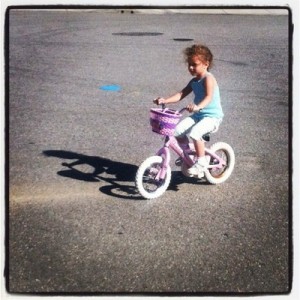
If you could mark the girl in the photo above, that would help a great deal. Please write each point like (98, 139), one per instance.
(206, 108)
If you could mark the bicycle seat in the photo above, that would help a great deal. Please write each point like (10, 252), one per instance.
(206, 137)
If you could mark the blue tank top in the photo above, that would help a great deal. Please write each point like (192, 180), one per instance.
(214, 108)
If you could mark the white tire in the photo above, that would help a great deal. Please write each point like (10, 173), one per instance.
(145, 181)
(216, 175)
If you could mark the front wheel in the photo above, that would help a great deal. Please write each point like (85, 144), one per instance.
(218, 175)
(146, 178)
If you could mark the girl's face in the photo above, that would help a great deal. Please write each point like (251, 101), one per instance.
(197, 67)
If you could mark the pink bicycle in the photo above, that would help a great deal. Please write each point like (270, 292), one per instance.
(154, 174)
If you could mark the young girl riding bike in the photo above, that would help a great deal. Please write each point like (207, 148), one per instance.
(206, 108)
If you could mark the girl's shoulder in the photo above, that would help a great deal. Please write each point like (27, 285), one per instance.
(211, 77)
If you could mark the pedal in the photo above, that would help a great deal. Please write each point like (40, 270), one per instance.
(178, 162)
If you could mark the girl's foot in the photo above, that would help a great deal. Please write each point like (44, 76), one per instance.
(199, 167)
(196, 170)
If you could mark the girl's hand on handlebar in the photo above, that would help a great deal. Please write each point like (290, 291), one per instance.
(159, 101)
(192, 107)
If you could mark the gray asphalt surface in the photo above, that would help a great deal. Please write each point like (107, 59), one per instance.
(76, 222)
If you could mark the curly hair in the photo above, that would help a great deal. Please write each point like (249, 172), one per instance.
(201, 51)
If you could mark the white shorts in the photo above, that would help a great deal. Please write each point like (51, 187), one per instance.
(196, 129)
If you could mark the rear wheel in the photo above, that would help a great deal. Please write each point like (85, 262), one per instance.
(218, 175)
(146, 182)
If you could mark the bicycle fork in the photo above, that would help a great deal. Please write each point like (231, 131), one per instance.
(164, 153)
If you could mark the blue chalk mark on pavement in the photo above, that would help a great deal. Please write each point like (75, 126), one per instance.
(110, 87)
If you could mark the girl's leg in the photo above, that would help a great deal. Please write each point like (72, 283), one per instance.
(201, 162)
(199, 147)
(201, 128)
(182, 129)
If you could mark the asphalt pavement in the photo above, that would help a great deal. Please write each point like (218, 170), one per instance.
(76, 222)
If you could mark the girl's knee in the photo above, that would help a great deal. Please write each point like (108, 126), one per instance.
(183, 127)
(180, 132)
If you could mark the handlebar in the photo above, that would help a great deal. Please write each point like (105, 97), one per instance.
(182, 110)
(163, 106)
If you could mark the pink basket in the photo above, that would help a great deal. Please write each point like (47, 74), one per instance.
(164, 121)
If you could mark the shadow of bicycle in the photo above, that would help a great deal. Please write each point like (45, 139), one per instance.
(98, 169)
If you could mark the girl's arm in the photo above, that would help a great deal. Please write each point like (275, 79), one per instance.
(176, 97)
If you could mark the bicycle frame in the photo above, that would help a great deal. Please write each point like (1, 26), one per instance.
(171, 143)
